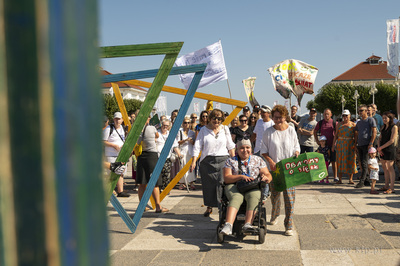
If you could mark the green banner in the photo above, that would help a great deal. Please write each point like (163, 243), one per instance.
(307, 167)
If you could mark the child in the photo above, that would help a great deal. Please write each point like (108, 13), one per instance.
(327, 154)
(374, 169)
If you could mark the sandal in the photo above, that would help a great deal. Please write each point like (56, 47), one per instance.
(162, 210)
(208, 212)
(382, 189)
(192, 187)
(389, 191)
(182, 187)
(338, 182)
(351, 182)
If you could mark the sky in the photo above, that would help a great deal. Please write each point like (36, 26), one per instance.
(333, 36)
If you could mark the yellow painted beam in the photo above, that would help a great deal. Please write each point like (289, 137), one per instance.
(198, 95)
(121, 105)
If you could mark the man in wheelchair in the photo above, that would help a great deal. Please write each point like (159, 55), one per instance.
(239, 172)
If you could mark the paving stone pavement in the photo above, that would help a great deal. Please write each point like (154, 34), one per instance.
(334, 225)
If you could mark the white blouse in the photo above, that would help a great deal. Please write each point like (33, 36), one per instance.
(213, 145)
(280, 144)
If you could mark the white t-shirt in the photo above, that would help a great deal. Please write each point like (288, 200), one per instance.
(213, 145)
(186, 147)
(160, 142)
(259, 129)
(113, 138)
(373, 174)
(280, 144)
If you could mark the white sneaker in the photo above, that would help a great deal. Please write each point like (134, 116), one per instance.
(273, 222)
(247, 227)
(227, 229)
(288, 232)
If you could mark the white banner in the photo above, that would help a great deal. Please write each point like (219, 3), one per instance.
(393, 46)
(161, 105)
(293, 76)
(249, 89)
(213, 56)
(196, 107)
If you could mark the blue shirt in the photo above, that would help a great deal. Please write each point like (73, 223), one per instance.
(364, 128)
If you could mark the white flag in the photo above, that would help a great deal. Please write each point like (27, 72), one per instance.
(393, 46)
(249, 89)
(161, 105)
(293, 76)
(214, 58)
(196, 107)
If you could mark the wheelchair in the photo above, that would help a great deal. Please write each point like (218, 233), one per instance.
(259, 223)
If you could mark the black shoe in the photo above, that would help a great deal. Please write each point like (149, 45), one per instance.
(367, 183)
(123, 194)
(360, 185)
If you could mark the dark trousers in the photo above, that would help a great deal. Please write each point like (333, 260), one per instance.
(304, 149)
(363, 158)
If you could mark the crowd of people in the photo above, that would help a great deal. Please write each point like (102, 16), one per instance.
(261, 139)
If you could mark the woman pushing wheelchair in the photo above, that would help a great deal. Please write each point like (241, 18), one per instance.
(243, 167)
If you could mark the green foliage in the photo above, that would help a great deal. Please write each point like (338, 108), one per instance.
(111, 105)
(329, 96)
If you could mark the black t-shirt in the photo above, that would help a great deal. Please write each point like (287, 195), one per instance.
(297, 119)
(240, 134)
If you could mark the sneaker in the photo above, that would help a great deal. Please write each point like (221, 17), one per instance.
(247, 228)
(227, 229)
(335, 179)
(273, 222)
(289, 232)
(123, 194)
(360, 185)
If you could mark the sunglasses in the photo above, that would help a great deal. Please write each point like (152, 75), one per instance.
(217, 118)
(252, 117)
(204, 116)
(186, 122)
(195, 117)
(245, 120)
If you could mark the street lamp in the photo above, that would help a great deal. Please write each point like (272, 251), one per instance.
(356, 96)
(343, 101)
(373, 91)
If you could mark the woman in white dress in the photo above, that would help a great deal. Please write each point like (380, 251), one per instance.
(185, 139)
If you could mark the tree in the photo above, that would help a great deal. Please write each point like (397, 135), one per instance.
(111, 105)
(329, 96)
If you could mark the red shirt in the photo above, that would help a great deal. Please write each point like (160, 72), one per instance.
(327, 130)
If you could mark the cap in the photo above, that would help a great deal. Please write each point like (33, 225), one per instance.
(313, 110)
(246, 108)
(266, 108)
(372, 150)
(322, 138)
(243, 142)
(346, 112)
(117, 115)
(256, 107)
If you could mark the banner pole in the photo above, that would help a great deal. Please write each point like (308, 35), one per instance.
(229, 88)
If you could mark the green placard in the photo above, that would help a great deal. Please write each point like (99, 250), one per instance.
(307, 167)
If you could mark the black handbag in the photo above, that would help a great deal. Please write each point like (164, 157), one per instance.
(244, 186)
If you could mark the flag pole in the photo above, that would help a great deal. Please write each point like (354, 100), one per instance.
(229, 88)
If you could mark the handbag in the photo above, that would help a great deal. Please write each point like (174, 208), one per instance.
(244, 186)
(138, 149)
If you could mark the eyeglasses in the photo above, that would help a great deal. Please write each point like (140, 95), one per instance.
(244, 120)
(217, 118)
(186, 122)
(194, 117)
(252, 117)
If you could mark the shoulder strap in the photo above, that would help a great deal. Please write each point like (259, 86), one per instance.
(119, 135)
(180, 132)
(111, 129)
(240, 171)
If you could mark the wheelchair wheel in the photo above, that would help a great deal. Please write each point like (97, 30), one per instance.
(220, 237)
(261, 235)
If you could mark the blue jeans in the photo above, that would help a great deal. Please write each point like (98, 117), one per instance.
(265, 191)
